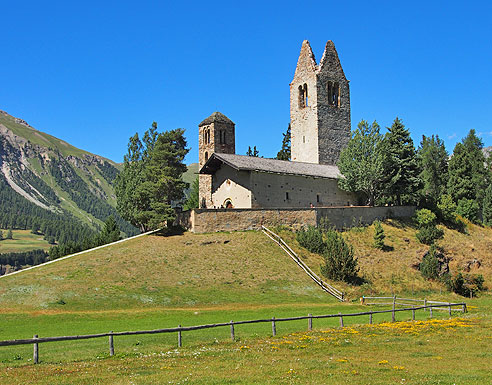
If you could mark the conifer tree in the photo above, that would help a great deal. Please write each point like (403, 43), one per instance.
(487, 207)
(433, 164)
(284, 153)
(253, 153)
(10, 235)
(361, 162)
(399, 165)
(378, 235)
(151, 178)
(193, 200)
(467, 173)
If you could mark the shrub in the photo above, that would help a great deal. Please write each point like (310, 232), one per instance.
(378, 235)
(340, 263)
(446, 208)
(425, 217)
(428, 233)
(429, 267)
(468, 209)
(311, 239)
(467, 286)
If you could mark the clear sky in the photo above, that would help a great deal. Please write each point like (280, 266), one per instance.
(95, 72)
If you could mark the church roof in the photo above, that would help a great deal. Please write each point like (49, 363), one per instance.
(250, 163)
(216, 117)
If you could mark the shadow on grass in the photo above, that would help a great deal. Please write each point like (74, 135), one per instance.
(172, 230)
(388, 248)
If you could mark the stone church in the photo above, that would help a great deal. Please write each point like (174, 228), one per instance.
(320, 128)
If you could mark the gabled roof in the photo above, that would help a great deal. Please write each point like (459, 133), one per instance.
(216, 117)
(250, 163)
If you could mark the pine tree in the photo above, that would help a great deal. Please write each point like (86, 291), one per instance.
(253, 153)
(193, 200)
(361, 162)
(10, 235)
(399, 165)
(284, 153)
(151, 178)
(110, 232)
(378, 235)
(433, 163)
(487, 207)
(468, 175)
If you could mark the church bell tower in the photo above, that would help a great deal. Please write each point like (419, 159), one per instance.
(319, 107)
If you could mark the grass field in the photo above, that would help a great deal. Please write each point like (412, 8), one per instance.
(23, 240)
(159, 282)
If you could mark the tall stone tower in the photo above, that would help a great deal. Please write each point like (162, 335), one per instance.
(319, 107)
(215, 134)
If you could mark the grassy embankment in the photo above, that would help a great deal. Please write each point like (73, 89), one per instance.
(155, 282)
(22, 240)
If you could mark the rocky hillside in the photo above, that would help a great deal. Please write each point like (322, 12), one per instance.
(46, 182)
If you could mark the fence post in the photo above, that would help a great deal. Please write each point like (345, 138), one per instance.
(111, 344)
(425, 304)
(413, 314)
(180, 340)
(463, 308)
(449, 309)
(370, 318)
(274, 328)
(362, 300)
(232, 331)
(35, 356)
(393, 312)
(310, 322)
(430, 311)
(341, 319)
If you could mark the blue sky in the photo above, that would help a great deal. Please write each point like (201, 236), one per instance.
(94, 73)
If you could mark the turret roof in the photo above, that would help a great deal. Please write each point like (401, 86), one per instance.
(216, 117)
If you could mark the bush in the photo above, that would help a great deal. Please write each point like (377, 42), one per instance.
(428, 233)
(378, 235)
(424, 218)
(446, 209)
(429, 267)
(340, 263)
(311, 239)
(468, 209)
(466, 286)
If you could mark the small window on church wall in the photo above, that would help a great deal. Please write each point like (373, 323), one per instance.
(303, 139)
(301, 97)
(224, 137)
(287, 195)
(206, 156)
(306, 103)
(318, 198)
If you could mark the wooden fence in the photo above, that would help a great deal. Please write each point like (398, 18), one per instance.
(395, 301)
(325, 286)
(180, 329)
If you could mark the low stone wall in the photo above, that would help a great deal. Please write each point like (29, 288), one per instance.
(211, 220)
(346, 217)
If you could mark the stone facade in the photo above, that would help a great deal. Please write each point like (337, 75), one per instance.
(253, 189)
(319, 107)
(209, 220)
(215, 134)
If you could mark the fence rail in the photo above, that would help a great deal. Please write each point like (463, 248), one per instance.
(325, 286)
(180, 329)
(437, 305)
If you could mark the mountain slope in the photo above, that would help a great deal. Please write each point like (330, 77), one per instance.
(55, 180)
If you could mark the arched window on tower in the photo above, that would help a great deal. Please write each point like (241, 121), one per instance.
(303, 96)
(333, 90)
(206, 156)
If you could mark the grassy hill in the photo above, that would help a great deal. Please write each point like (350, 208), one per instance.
(22, 240)
(156, 271)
